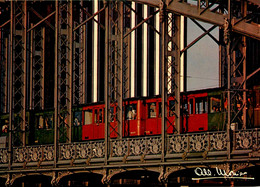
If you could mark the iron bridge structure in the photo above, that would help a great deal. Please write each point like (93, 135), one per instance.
(63, 54)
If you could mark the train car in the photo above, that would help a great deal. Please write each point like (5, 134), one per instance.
(93, 122)
(204, 110)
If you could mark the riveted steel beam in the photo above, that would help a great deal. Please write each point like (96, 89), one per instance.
(192, 11)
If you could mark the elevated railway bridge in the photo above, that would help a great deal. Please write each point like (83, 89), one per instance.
(60, 58)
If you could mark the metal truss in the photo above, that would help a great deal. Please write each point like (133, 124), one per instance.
(18, 69)
(79, 57)
(37, 58)
(207, 11)
(114, 71)
(236, 69)
(170, 71)
(4, 71)
(63, 71)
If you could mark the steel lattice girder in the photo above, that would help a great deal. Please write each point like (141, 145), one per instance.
(205, 14)
(63, 71)
(18, 68)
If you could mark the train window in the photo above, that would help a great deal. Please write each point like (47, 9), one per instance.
(98, 116)
(44, 122)
(171, 108)
(48, 121)
(191, 106)
(152, 110)
(201, 105)
(215, 104)
(77, 118)
(88, 117)
(131, 112)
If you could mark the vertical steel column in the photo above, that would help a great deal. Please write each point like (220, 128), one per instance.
(56, 100)
(229, 80)
(115, 64)
(107, 92)
(79, 60)
(170, 71)
(243, 50)
(11, 107)
(37, 58)
(63, 71)
(4, 73)
(19, 35)
(172, 53)
(163, 20)
(236, 90)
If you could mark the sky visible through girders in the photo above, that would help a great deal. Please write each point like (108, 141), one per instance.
(202, 58)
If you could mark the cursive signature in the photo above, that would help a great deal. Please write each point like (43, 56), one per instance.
(206, 172)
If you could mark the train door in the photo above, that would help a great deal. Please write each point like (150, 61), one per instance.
(153, 117)
(99, 130)
(133, 123)
(191, 112)
(198, 117)
(201, 114)
(130, 122)
(87, 128)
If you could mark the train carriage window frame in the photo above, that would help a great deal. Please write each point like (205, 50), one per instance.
(201, 105)
(44, 122)
(152, 110)
(130, 112)
(88, 119)
(77, 118)
(191, 106)
(98, 115)
(215, 104)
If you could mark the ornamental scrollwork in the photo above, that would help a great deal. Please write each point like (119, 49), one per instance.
(243, 140)
(199, 142)
(4, 156)
(218, 141)
(178, 143)
(83, 150)
(34, 154)
(137, 147)
(67, 151)
(48, 153)
(20, 154)
(119, 148)
(154, 145)
(98, 149)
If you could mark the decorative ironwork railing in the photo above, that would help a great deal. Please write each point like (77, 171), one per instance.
(210, 141)
(33, 153)
(83, 150)
(136, 146)
(246, 139)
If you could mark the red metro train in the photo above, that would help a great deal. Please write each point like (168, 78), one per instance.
(200, 111)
